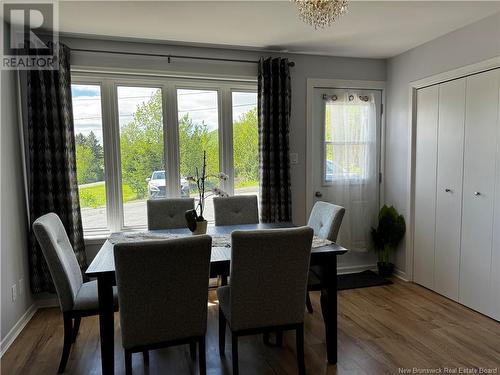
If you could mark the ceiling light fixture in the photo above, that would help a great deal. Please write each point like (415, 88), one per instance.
(320, 13)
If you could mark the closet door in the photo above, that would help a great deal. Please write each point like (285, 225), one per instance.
(425, 185)
(449, 187)
(478, 190)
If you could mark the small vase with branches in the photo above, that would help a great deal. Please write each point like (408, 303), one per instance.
(195, 219)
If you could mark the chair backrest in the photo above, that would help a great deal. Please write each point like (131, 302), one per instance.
(168, 213)
(269, 271)
(241, 209)
(60, 258)
(162, 289)
(325, 220)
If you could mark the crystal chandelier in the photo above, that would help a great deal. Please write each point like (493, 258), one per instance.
(320, 13)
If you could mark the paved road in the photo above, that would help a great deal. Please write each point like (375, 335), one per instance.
(135, 212)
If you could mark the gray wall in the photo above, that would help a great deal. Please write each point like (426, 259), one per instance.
(306, 66)
(14, 232)
(474, 43)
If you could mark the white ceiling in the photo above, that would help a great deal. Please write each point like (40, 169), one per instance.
(376, 29)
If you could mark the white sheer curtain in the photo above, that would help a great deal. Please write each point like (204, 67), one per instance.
(351, 164)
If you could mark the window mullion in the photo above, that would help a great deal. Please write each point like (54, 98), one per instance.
(171, 142)
(226, 138)
(111, 137)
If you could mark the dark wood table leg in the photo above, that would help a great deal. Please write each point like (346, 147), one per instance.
(329, 307)
(106, 324)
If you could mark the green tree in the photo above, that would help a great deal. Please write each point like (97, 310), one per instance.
(141, 142)
(98, 153)
(246, 149)
(85, 172)
(89, 158)
(194, 138)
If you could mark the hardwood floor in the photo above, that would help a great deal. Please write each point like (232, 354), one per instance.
(381, 329)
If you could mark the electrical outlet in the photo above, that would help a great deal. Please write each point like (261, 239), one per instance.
(14, 292)
(21, 286)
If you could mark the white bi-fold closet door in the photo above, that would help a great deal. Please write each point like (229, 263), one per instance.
(457, 191)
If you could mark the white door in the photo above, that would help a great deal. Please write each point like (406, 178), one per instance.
(425, 186)
(478, 190)
(449, 187)
(346, 158)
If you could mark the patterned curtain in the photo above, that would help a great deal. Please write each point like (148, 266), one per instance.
(51, 161)
(274, 122)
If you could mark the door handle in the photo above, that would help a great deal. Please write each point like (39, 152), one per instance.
(477, 193)
(447, 190)
(318, 194)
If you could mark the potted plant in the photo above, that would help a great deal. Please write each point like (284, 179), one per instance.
(386, 237)
(195, 220)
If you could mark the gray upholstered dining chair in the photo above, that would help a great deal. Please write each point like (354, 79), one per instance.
(282, 273)
(162, 290)
(241, 209)
(76, 298)
(325, 219)
(168, 213)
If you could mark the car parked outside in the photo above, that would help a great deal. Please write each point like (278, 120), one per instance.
(157, 185)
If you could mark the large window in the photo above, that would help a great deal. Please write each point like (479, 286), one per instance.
(198, 120)
(141, 146)
(151, 135)
(87, 116)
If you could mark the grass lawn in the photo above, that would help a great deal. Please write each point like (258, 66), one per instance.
(244, 184)
(94, 196)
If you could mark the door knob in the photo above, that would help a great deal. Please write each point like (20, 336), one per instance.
(318, 194)
(447, 190)
(477, 193)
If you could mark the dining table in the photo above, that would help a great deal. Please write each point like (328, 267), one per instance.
(102, 268)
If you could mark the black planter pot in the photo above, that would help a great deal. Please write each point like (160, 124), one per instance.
(385, 269)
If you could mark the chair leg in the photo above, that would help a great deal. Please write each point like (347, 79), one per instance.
(192, 350)
(128, 362)
(76, 327)
(300, 349)
(222, 333)
(145, 355)
(309, 304)
(68, 338)
(234, 342)
(202, 361)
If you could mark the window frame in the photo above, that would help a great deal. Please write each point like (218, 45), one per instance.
(109, 83)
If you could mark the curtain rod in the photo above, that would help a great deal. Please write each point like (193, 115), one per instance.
(291, 63)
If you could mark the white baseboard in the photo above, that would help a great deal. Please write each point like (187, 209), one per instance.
(17, 329)
(23, 320)
(357, 268)
(400, 274)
